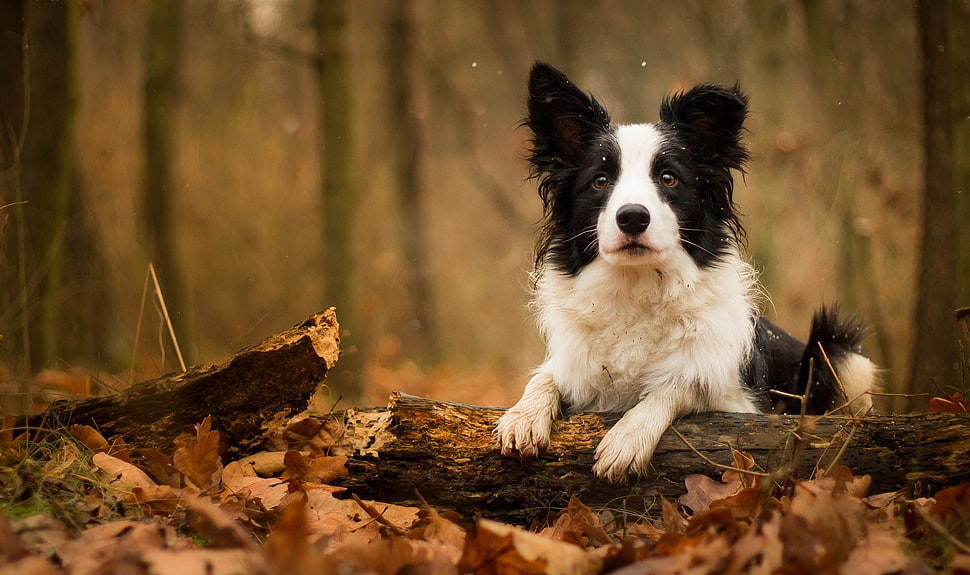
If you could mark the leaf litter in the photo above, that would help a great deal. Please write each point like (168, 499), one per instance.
(142, 511)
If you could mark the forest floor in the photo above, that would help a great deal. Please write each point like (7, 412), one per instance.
(79, 503)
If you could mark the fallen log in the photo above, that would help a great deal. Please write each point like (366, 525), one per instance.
(248, 396)
(446, 452)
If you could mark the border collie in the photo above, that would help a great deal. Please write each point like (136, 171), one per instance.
(641, 292)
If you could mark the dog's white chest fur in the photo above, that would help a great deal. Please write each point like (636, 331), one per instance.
(617, 334)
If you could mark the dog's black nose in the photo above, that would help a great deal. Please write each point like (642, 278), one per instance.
(632, 219)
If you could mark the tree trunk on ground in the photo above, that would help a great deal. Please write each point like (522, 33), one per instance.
(446, 451)
(248, 396)
(935, 350)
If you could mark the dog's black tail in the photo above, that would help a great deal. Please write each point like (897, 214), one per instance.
(840, 375)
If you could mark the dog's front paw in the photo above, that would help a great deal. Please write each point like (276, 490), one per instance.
(525, 428)
(624, 451)
(523, 433)
(616, 461)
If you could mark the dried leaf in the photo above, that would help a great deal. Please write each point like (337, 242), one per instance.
(954, 403)
(702, 490)
(287, 547)
(312, 435)
(577, 524)
(745, 462)
(327, 468)
(839, 479)
(744, 505)
(953, 501)
(759, 551)
(392, 556)
(264, 493)
(328, 519)
(673, 521)
(265, 463)
(159, 499)
(90, 437)
(217, 525)
(122, 475)
(880, 551)
(199, 459)
(296, 465)
(394, 517)
(498, 548)
(113, 547)
(208, 561)
(160, 467)
(11, 547)
(958, 565)
(445, 532)
(644, 530)
(884, 500)
(317, 469)
(31, 565)
(39, 533)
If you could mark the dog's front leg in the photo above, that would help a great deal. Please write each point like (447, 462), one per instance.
(627, 448)
(525, 428)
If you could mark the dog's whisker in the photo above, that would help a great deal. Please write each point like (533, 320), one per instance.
(702, 248)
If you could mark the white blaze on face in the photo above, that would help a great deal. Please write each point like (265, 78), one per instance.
(638, 145)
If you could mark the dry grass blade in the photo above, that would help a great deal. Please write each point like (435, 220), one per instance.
(841, 452)
(168, 318)
(941, 530)
(713, 463)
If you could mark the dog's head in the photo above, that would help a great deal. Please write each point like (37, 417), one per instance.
(635, 195)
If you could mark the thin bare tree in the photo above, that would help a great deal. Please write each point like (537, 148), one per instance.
(935, 352)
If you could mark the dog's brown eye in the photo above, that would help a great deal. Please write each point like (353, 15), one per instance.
(668, 179)
(601, 181)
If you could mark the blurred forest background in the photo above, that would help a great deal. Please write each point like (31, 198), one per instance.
(272, 158)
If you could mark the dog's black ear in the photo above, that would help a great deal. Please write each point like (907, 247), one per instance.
(563, 119)
(712, 117)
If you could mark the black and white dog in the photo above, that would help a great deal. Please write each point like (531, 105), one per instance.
(642, 295)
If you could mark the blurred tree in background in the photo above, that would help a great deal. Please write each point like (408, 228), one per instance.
(338, 185)
(162, 65)
(276, 157)
(53, 307)
(935, 352)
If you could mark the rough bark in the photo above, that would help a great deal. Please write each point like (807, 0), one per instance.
(247, 397)
(446, 452)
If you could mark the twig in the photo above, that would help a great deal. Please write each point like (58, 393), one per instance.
(828, 362)
(168, 319)
(808, 385)
(841, 451)
(942, 530)
(709, 461)
(903, 395)
(378, 516)
(141, 311)
(786, 394)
